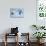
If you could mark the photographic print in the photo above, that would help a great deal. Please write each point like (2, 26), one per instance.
(16, 12)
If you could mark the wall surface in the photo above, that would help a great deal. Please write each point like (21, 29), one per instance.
(23, 23)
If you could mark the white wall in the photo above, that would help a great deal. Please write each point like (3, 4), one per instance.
(23, 23)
